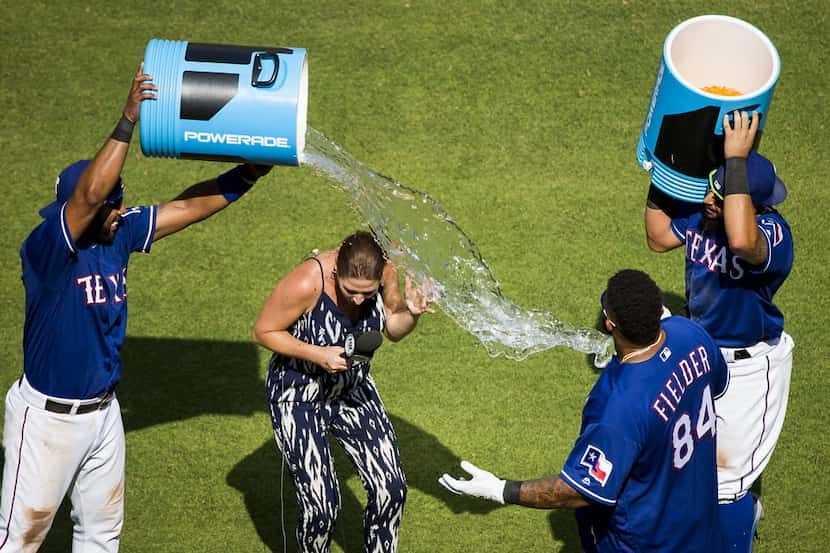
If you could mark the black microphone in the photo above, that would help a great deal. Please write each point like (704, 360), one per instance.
(360, 346)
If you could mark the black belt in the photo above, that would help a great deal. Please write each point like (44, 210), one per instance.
(66, 408)
(741, 354)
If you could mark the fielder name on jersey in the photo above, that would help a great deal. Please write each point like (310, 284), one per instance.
(647, 444)
(688, 370)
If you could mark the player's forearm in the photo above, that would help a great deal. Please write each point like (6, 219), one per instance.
(195, 204)
(201, 200)
(550, 492)
(741, 227)
(657, 218)
(659, 235)
(206, 198)
(100, 177)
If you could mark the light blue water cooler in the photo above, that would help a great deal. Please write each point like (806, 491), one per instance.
(223, 102)
(682, 136)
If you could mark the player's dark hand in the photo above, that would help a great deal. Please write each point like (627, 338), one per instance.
(738, 141)
(140, 90)
(255, 170)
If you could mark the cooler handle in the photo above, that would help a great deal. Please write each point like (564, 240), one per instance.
(255, 82)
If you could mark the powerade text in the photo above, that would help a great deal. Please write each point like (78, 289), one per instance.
(241, 139)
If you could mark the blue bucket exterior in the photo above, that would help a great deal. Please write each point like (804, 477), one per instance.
(218, 102)
(681, 141)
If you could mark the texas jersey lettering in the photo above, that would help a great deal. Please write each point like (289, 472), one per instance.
(85, 286)
(728, 296)
(99, 290)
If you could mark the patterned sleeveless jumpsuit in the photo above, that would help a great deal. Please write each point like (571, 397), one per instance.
(307, 403)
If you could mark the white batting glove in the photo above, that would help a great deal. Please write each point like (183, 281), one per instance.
(483, 483)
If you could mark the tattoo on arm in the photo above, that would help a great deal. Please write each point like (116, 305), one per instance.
(550, 493)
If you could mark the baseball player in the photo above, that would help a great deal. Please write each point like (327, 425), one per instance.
(641, 475)
(316, 387)
(739, 251)
(63, 430)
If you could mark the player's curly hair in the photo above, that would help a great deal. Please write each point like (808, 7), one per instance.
(360, 256)
(634, 304)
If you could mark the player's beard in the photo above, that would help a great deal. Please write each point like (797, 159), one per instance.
(712, 218)
(103, 227)
(712, 226)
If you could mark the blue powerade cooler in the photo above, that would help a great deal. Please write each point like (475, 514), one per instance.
(682, 137)
(227, 103)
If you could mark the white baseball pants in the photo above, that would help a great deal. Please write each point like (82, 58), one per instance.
(48, 454)
(751, 414)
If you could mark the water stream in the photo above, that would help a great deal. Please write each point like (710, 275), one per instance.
(423, 239)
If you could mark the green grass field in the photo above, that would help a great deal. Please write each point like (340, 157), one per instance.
(522, 120)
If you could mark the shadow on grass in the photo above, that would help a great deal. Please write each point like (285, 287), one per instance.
(258, 478)
(563, 529)
(167, 380)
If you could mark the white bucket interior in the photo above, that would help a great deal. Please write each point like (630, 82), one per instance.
(716, 50)
(302, 109)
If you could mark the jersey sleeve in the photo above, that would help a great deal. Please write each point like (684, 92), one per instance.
(139, 225)
(600, 461)
(679, 226)
(776, 232)
(50, 246)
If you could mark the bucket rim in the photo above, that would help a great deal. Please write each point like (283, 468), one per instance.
(763, 89)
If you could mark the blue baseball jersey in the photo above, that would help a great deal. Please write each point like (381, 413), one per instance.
(730, 297)
(76, 304)
(645, 456)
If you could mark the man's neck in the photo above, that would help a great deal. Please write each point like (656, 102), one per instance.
(635, 353)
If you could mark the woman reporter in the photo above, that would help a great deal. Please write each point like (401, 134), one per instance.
(314, 388)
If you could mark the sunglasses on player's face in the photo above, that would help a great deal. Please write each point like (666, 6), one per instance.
(715, 187)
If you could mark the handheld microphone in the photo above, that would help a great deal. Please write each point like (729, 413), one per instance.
(360, 346)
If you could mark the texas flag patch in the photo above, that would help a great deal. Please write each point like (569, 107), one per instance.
(598, 466)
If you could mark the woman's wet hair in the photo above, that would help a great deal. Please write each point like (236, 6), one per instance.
(360, 256)
(635, 305)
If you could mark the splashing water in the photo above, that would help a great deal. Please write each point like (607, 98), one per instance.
(422, 238)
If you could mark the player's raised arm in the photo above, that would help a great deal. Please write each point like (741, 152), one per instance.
(203, 199)
(741, 226)
(101, 175)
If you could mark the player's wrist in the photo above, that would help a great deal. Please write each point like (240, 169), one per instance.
(510, 492)
(233, 184)
(736, 180)
(123, 131)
